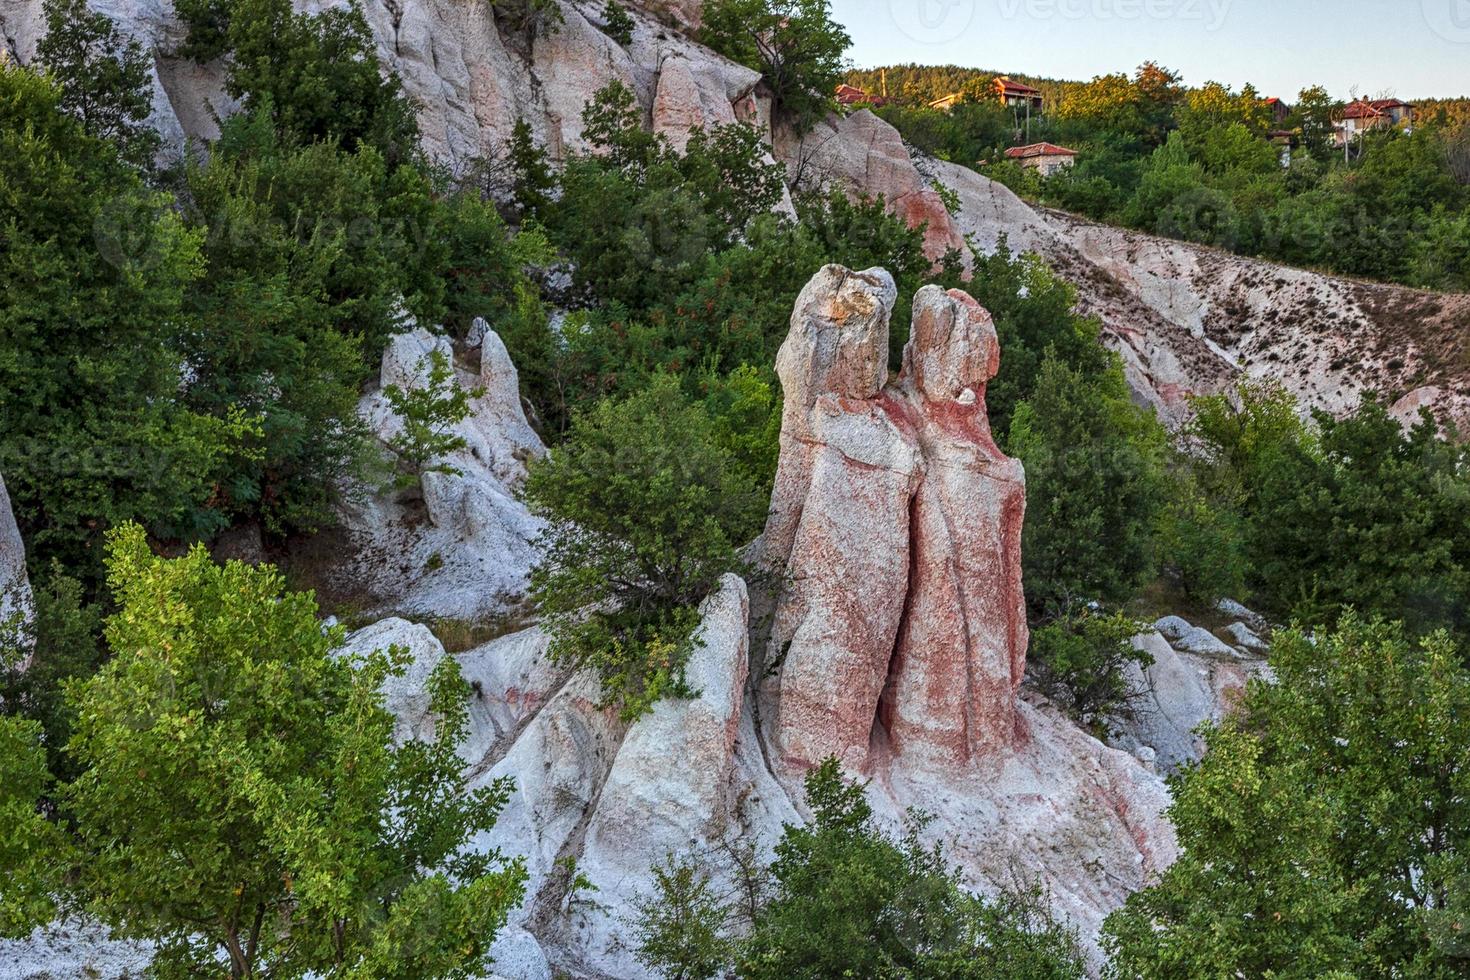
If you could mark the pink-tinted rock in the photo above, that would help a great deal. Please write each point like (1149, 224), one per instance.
(961, 652)
(840, 509)
(897, 522)
(865, 156)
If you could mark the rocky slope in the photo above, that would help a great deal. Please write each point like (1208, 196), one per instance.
(1186, 319)
(893, 542)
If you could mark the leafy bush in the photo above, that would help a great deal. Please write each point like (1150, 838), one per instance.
(851, 901)
(312, 254)
(645, 512)
(1351, 512)
(315, 75)
(1080, 660)
(682, 930)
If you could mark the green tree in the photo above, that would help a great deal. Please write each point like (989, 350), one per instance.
(618, 23)
(850, 901)
(1321, 833)
(317, 77)
(32, 848)
(1313, 115)
(242, 800)
(1034, 313)
(682, 930)
(645, 512)
(313, 253)
(62, 642)
(94, 272)
(429, 412)
(531, 173)
(104, 77)
(795, 44)
(1094, 488)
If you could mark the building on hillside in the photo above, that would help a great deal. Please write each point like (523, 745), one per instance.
(848, 95)
(1045, 158)
(1015, 95)
(948, 102)
(1285, 141)
(1280, 111)
(1365, 115)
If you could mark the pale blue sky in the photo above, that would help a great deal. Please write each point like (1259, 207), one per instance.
(1407, 48)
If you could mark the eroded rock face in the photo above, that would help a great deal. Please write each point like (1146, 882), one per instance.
(861, 154)
(16, 602)
(897, 522)
(468, 81)
(465, 549)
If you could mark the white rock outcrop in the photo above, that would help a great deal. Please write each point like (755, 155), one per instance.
(17, 605)
(465, 550)
(1196, 677)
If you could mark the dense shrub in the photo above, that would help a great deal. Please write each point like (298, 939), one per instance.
(645, 511)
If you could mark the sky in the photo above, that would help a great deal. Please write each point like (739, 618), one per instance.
(1405, 48)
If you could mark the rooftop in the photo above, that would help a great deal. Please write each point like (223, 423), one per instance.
(1039, 150)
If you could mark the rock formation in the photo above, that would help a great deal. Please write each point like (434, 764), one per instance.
(1196, 677)
(16, 603)
(1186, 319)
(465, 550)
(862, 155)
(897, 520)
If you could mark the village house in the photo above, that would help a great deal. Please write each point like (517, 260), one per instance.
(848, 95)
(1045, 158)
(1014, 95)
(1364, 115)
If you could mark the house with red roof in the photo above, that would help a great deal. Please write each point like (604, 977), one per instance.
(849, 95)
(1015, 95)
(1364, 115)
(1045, 158)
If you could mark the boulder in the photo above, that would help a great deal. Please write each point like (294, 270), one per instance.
(1189, 683)
(862, 155)
(1193, 639)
